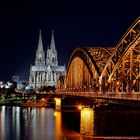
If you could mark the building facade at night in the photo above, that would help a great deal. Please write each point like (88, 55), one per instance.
(46, 71)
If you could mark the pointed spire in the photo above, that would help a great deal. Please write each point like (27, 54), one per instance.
(52, 45)
(40, 44)
(40, 55)
(30, 68)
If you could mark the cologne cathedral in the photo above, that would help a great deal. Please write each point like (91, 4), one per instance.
(45, 72)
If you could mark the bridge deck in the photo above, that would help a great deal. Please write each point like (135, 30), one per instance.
(107, 95)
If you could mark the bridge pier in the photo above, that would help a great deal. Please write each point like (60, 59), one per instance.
(86, 122)
(58, 104)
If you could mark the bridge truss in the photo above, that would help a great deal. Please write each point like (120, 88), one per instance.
(106, 69)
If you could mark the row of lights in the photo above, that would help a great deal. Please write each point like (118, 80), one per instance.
(108, 83)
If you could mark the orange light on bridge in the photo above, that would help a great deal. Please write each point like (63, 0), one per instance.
(118, 82)
(134, 81)
(80, 107)
(43, 99)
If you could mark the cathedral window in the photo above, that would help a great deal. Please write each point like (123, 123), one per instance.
(53, 59)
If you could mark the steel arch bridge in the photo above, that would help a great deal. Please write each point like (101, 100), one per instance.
(106, 69)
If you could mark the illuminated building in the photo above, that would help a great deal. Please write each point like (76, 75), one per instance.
(45, 72)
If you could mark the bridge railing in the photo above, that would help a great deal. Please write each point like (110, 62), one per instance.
(107, 95)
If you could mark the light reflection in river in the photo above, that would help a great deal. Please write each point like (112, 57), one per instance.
(30, 124)
(9, 123)
(46, 124)
(58, 126)
(2, 122)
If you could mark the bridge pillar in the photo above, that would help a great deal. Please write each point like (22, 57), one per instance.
(57, 104)
(86, 122)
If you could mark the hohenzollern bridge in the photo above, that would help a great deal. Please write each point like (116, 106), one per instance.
(105, 71)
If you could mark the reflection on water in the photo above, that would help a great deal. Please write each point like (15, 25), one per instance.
(46, 124)
(30, 124)
(2, 122)
(58, 126)
(9, 123)
(87, 122)
(117, 122)
(16, 122)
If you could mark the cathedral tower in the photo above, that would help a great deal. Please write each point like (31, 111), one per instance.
(51, 58)
(42, 74)
(40, 55)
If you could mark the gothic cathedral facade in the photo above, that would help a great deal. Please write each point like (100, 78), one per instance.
(45, 72)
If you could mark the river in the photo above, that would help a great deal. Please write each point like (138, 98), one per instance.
(17, 123)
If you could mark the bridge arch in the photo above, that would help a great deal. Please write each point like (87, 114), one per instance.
(122, 68)
(107, 69)
(83, 69)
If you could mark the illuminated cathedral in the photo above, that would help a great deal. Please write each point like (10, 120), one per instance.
(45, 71)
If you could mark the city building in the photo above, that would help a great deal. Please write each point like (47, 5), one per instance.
(15, 78)
(45, 72)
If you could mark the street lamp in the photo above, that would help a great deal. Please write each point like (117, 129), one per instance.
(133, 86)
(117, 87)
(100, 83)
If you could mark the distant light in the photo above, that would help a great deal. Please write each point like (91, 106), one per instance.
(7, 86)
(43, 99)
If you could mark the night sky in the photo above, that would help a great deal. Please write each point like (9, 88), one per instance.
(93, 23)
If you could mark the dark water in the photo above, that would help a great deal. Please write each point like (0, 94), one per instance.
(117, 122)
(18, 123)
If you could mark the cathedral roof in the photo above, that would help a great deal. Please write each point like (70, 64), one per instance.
(58, 68)
(45, 68)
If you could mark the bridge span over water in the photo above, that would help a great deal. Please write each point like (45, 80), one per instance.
(112, 72)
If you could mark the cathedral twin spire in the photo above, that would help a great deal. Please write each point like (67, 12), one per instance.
(51, 58)
(40, 55)
(40, 44)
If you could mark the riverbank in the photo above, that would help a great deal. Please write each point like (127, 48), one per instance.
(22, 102)
(45, 103)
(34, 104)
(11, 101)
